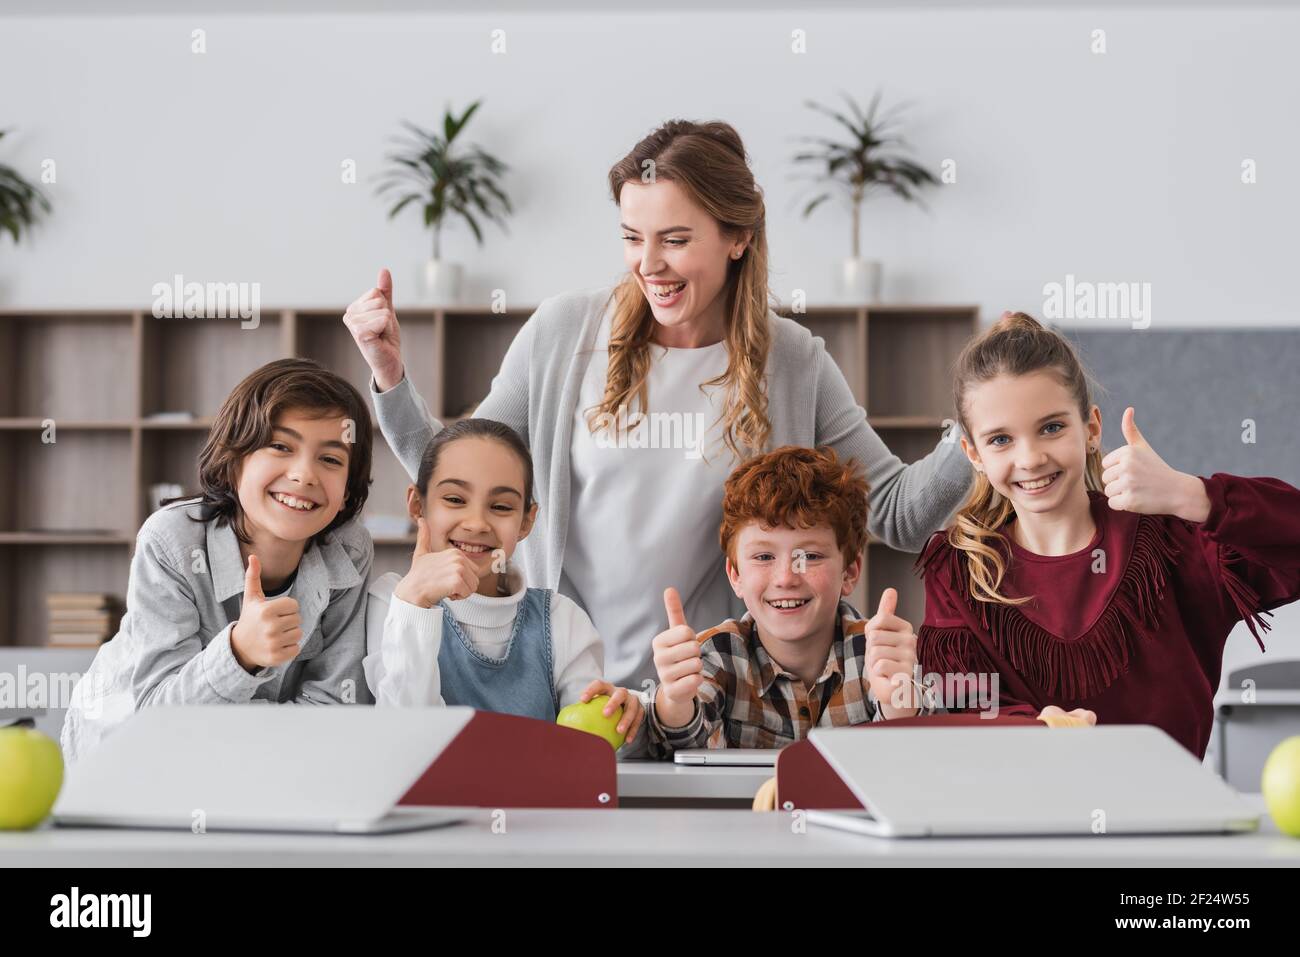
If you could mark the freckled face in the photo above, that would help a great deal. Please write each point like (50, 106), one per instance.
(791, 579)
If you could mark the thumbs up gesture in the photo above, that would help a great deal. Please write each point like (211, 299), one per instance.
(373, 324)
(268, 632)
(1136, 479)
(437, 572)
(891, 659)
(679, 665)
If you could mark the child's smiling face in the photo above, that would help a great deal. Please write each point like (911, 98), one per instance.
(475, 500)
(774, 566)
(1027, 435)
(293, 487)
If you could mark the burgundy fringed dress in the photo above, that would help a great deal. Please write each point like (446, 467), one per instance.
(1131, 627)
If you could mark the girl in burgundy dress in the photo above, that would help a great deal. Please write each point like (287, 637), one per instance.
(1104, 587)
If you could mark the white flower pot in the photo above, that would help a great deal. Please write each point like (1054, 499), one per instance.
(859, 280)
(442, 282)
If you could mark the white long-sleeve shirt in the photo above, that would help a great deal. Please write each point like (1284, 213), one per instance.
(402, 641)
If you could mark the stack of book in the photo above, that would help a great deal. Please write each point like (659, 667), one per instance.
(81, 619)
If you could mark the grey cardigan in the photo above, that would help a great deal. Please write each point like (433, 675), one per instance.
(184, 595)
(809, 404)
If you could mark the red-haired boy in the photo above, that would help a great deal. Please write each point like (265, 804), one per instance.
(793, 531)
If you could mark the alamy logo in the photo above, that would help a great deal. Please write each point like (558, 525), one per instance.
(651, 430)
(103, 910)
(213, 300)
(1098, 300)
(23, 689)
(975, 691)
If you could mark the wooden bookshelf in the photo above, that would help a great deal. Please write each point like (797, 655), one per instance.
(73, 497)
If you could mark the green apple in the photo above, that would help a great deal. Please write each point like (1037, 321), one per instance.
(1281, 786)
(587, 716)
(31, 774)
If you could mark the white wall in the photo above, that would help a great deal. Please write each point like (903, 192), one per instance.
(225, 166)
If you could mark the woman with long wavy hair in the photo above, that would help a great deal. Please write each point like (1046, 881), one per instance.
(638, 400)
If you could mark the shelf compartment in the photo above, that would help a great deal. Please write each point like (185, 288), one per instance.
(840, 330)
(475, 345)
(36, 352)
(81, 483)
(172, 456)
(910, 357)
(64, 538)
(322, 336)
(69, 425)
(28, 573)
(191, 365)
(388, 490)
(199, 424)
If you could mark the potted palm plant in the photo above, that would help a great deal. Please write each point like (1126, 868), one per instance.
(20, 201)
(873, 160)
(445, 178)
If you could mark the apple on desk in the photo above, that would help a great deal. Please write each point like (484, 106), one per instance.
(31, 774)
(587, 716)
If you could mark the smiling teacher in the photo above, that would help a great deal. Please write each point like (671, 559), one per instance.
(688, 334)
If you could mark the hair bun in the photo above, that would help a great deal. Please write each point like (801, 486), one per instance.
(1017, 320)
(726, 134)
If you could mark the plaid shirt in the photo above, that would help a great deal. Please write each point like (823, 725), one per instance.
(747, 700)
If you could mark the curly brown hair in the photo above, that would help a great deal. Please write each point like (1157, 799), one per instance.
(797, 487)
(245, 424)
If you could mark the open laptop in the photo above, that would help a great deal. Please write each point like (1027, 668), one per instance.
(1112, 779)
(277, 768)
(727, 757)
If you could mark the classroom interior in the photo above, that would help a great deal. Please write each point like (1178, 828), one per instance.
(1143, 146)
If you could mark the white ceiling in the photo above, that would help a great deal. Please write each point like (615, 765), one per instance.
(99, 8)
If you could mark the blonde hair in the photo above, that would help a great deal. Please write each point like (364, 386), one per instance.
(707, 160)
(1017, 344)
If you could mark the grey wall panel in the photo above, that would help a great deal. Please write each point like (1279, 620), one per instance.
(1193, 389)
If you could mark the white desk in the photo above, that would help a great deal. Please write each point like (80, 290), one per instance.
(647, 837)
(644, 784)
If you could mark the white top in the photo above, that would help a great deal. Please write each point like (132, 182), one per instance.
(402, 641)
(644, 524)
